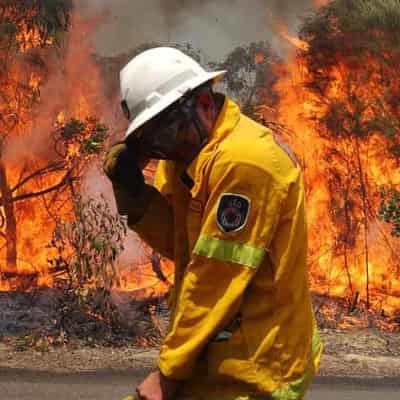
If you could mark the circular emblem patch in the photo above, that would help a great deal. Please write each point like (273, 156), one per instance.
(233, 212)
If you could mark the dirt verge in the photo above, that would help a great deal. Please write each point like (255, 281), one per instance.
(354, 353)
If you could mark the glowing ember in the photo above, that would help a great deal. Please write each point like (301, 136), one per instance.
(259, 58)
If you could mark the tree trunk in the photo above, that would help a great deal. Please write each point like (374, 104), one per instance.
(363, 184)
(347, 269)
(11, 222)
(346, 242)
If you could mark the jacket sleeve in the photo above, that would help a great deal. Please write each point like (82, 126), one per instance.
(150, 216)
(222, 264)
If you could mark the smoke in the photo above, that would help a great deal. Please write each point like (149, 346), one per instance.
(215, 27)
(118, 26)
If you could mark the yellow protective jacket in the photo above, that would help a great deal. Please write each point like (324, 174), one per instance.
(234, 223)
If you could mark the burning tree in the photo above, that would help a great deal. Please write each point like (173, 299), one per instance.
(31, 32)
(351, 58)
(26, 27)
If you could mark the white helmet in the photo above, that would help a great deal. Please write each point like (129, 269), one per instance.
(157, 78)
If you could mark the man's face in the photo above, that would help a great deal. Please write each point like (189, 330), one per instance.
(206, 114)
(174, 135)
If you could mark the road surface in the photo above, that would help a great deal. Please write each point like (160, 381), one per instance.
(18, 384)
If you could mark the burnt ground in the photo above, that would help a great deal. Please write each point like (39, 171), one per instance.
(32, 338)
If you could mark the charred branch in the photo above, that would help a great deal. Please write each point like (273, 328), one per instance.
(67, 178)
(156, 266)
(55, 167)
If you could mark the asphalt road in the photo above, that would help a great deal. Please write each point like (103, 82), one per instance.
(18, 384)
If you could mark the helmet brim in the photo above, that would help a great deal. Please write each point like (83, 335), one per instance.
(149, 113)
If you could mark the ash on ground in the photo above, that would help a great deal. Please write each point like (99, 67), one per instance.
(44, 317)
(36, 334)
(338, 313)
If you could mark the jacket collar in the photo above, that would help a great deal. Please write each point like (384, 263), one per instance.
(227, 120)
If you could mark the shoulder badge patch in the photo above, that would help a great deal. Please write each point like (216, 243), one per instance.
(233, 212)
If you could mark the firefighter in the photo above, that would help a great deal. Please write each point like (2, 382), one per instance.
(227, 206)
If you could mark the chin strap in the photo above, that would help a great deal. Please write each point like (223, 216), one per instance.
(203, 134)
(192, 116)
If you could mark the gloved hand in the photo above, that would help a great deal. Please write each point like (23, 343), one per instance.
(122, 167)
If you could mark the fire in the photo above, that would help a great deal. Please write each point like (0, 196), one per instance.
(73, 90)
(142, 279)
(283, 31)
(34, 82)
(61, 119)
(352, 254)
(259, 58)
(29, 222)
(30, 37)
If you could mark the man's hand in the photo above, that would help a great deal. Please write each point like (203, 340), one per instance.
(157, 387)
(122, 167)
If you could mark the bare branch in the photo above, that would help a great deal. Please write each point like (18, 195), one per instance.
(40, 172)
(66, 179)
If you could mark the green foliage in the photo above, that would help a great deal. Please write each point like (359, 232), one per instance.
(23, 343)
(94, 144)
(358, 25)
(85, 253)
(88, 246)
(32, 342)
(77, 139)
(72, 128)
(390, 209)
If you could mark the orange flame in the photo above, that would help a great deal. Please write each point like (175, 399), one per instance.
(330, 265)
(283, 31)
(331, 270)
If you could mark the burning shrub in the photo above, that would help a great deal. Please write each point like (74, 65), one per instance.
(30, 38)
(33, 23)
(349, 62)
(86, 250)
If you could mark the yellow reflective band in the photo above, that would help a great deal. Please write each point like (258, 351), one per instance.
(295, 390)
(225, 250)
